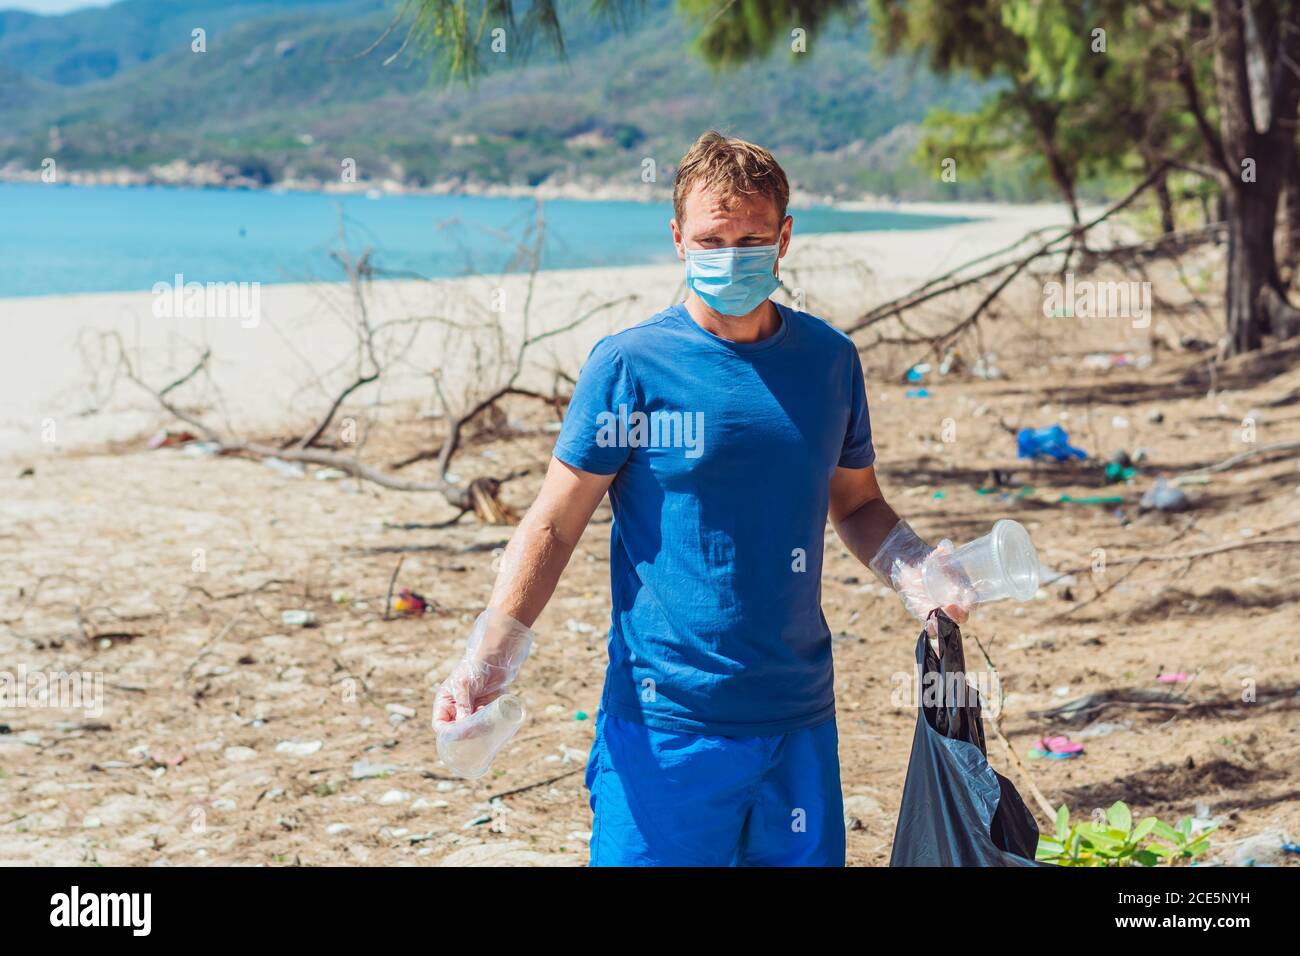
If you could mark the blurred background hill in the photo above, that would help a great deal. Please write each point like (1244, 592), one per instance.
(281, 94)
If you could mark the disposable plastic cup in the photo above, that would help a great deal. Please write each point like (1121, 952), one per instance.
(468, 746)
(1002, 564)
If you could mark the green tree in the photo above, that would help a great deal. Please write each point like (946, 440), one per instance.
(1256, 47)
(1098, 87)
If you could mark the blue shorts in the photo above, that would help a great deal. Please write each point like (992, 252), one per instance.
(671, 799)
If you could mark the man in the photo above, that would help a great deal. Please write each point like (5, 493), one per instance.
(725, 430)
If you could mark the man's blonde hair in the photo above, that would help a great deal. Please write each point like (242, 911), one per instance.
(734, 168)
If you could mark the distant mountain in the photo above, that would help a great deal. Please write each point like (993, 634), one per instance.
(95, 44)
(281, 93)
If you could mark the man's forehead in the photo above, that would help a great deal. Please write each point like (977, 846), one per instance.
(713, 207)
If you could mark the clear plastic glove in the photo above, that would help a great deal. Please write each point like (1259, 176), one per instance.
(901, 562)
(496, 650)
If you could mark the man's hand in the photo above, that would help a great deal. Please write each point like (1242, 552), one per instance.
(908, 580)
(494, 653)
(469, 687)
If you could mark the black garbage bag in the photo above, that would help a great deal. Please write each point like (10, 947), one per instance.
(957, 810)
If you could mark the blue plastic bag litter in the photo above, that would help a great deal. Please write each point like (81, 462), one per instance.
(956, 809)
(1050, 442)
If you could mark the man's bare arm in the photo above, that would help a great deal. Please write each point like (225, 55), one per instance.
(545, 539)
(859, 513)
(502, 636)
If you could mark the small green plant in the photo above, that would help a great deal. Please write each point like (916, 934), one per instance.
(1116, 841)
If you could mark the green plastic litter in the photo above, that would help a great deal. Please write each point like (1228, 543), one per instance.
(580, 715)
(1115, 472)
(1093, 500)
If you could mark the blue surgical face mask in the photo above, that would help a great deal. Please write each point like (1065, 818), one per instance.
(733, 281)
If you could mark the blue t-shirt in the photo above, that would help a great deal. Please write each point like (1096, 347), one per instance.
(723, 454)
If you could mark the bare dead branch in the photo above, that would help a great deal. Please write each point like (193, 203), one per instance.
(931, 291)
(996, 723)
(314, 437)
(388, 601)
(1246, 456)
(1193, 555)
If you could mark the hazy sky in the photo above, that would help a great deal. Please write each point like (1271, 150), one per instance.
(51, 6)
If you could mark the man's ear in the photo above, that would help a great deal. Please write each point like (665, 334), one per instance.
(677, 238)
(786, 228)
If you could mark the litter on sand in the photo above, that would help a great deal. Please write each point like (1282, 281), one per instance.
(1051, 442)
(1262, 849)
(1056, 748)
(167, 439)
(410, 603)
(1004, 492)
(1162, 497)
(1119, 468)
(290, 469)
(1105, 361)
(986, 367)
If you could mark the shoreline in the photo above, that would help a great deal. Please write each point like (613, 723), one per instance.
(126, 178)
(198, 177)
